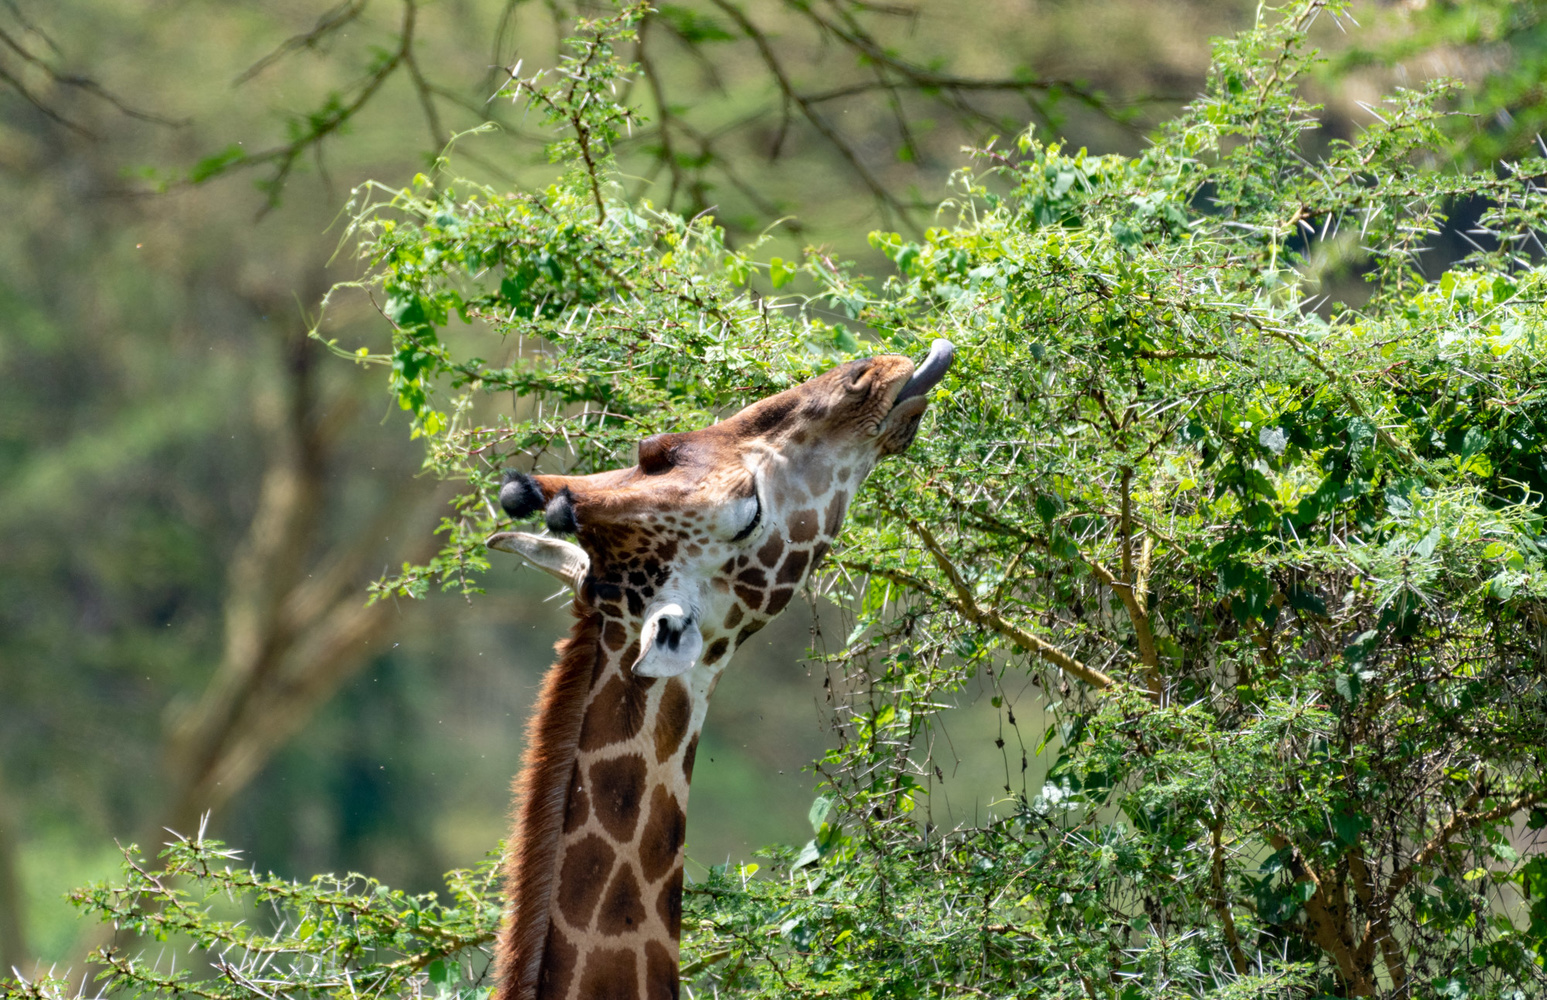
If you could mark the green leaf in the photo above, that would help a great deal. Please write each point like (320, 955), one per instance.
(1349, 826)
(1502, 586)
(694, 27)
(211, 166)
(821, 806)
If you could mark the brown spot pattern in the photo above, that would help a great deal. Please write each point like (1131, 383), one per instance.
(794, 568)
(616, 714)
(661, 981)
(733, 616)
(803, 526)
(623, 907)
(819, 478)
(769, 554)
(716, 650)
(578, 808)
(617, 790)
(598, 671)
(610, 974)
(585, 869)
(669, 905)
(674, 714)
(687, 757)
(614, 635)
(835, 509)
(662, 836)
(778, 599)
(559, 958)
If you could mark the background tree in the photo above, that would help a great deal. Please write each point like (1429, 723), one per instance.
(785, 356)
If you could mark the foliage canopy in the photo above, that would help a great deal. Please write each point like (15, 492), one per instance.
(1269, 543)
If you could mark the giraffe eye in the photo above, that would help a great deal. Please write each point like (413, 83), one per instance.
(753, 521)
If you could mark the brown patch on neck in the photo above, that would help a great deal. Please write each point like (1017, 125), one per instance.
(541, 791)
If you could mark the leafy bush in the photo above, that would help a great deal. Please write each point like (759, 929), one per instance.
(267, 936)
(1268, 538)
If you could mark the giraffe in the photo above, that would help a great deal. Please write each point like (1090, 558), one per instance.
(679, 560)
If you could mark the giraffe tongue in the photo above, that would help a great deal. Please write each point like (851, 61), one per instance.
(929, 373)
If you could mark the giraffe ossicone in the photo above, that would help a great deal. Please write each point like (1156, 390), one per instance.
(676, 562)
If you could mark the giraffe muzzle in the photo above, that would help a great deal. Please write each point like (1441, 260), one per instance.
(930, 371)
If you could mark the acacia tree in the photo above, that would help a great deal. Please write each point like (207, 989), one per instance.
(1272, 558)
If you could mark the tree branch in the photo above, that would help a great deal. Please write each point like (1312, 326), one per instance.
(1459, 821)
(662, 110)
(970, 609)
(881, 193)
(1329, 933)
(71, 80)
(330, 21)
(1238, 957)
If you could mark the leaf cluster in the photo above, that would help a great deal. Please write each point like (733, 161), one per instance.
(256, 936)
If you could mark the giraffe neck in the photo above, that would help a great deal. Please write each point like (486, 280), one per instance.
(594, 871)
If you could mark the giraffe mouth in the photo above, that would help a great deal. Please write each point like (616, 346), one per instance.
(930, 371)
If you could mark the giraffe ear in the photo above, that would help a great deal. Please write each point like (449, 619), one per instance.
(554, 556)
(669, 643)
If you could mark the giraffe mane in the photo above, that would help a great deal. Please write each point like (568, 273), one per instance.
(541, 788)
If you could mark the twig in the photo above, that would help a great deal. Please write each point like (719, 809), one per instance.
(883, 196)
(969, 607)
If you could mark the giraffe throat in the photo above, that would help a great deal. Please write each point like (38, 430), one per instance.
(615, 905)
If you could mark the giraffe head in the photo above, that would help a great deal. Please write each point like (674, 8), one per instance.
(694, 549)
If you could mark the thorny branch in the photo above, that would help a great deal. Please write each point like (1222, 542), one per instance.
(882, 194)
(967, 604)
(1222, 900)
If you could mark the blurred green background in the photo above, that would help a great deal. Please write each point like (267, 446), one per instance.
(193, 495)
